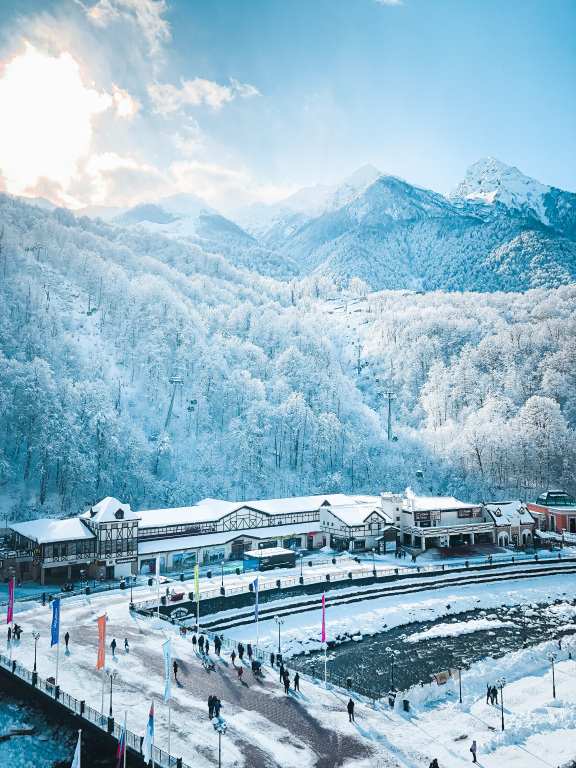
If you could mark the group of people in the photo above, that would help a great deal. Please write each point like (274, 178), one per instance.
(491, 694)
(285, 679)
(113, 645)
(214, 706)
(204, 644)
(14, 632)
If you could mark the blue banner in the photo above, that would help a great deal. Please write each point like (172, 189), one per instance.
(167, 651)
(256, 604)
(55, 621)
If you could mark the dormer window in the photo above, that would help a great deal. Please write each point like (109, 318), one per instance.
(119, 514)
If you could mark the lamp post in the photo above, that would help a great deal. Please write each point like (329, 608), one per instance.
(220, 727)
(222, 567)
(552, 659)
(36, 636)
(392, 655)
(301, 558)
(279, 621)
(373, 562)
(112, 675)
(501, 683)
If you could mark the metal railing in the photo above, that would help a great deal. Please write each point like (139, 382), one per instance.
(161, 758)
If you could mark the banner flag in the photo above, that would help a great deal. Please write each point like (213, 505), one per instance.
(167, 651)
(10, 613)
(196, 583)
(323, 618)
(101, 641)
(76, 760)
(121, 744)
(55, 622)
(149, 737)
(256, 604)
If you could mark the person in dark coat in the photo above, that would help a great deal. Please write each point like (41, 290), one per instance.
(240, 651)
(281, 671)
(473, 750)
(207, 646)
(67, 639)
(296, 682)
(9, 634)
(272, 659)
(210, 706)
(233, 657)
(350, 708)
(286, 683)
(434, 764)
(217, 645)
(126, 647)
(113, 646)
(175, 666)
(494, 695)
(201, 643)
(217, 706)
(240, 673)
(249, 653)
(194, 642)
(488, 693)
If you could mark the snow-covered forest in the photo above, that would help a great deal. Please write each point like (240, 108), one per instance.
(279, 391)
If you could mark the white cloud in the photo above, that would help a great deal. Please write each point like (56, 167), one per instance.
(168, 98)
(126, 106)
(146, 14)
(389, 2)
(222, 187)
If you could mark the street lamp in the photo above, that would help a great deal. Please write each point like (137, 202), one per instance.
(112, 675)
(279, 621)
(373, 563)
(392, 655)
(551, 659)
(301, 558)
(36, 636)
(220, 727)
(501, 683)
(222, 567)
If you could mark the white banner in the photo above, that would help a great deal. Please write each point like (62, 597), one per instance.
(167, 651)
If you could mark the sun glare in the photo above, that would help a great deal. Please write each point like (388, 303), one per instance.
(46, 116)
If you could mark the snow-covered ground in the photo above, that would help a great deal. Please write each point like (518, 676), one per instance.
(267, 728)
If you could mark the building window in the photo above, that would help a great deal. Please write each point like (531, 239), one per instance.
(360, 544)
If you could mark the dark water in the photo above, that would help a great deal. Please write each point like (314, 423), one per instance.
(369, 662)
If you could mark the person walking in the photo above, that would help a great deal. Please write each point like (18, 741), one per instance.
(217, 705)
(286, 683)
(488, 693)
(175, 666)
(240, 651)
(67, 639)
(272, 659)
(201, 643)
(473, 750)
(113, 646)
(217, 645)
(350, 708)
(249, 653)
(281, 671)
(126, 648)
(207, 646)
(494, 695)
(233, 657)
(194, 642)
(9, 634)
(297, 682)
(240, 672)
(434, 763)
(210, 707)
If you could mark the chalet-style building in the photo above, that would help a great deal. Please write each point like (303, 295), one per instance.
(513, 521)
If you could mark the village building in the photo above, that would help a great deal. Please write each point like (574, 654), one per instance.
(440, 521)
(555, 515)
(513, 522)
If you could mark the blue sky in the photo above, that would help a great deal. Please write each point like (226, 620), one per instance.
(240, 100)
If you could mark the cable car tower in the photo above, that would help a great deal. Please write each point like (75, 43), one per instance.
(390, 394)
(176, 381)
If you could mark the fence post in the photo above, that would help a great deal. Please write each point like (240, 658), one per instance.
(110, 725)
(82, 706)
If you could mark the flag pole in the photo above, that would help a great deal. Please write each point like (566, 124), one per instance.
(158, 583)
(325, 660)
(79, 748)
(57, 659)
(125, 738)
(152, 748)
(169, 726)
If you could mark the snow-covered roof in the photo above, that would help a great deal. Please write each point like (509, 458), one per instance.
(414, 502)
(209, 510)
(45, 531)
(181, 543)
(506, 512)
(106, 511)
(356, 514)
(268, 552)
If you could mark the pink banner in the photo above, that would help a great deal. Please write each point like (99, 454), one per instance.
(323, 618)
(101, 641)
(10, 612)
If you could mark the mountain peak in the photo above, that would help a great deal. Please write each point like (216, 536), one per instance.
(488, 180)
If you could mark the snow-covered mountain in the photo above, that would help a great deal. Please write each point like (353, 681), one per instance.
(490, 181)
(497, 229)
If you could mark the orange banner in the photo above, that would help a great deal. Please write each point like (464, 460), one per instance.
(101, 641)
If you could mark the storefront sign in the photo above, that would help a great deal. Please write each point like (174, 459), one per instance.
(464, 513)
(420, 516)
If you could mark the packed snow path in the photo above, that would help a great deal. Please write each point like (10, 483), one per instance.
(266, 728)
